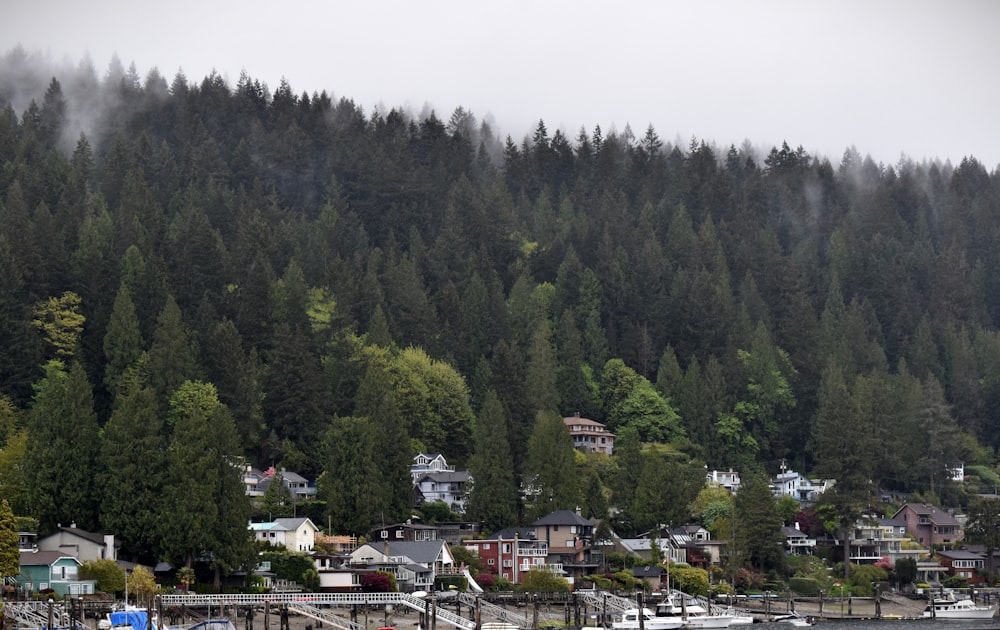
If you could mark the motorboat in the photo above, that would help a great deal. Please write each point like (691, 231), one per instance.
(739, 617)
(693, 614)
(629, 620)
(796, 619)
(950, 608)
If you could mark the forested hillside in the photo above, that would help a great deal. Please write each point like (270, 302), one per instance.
(191, 270)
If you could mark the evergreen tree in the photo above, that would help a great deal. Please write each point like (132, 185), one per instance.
(550, 479)
(61, 463)
(204, 489)
(123, 342)
(492, 500)
(376, 402)
(541, 371)
(133, 480)
(173, 355)
(352, 484)
(756, 523)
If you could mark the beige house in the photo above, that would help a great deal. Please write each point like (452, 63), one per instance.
(590, 435)
(80, 544)
(294, 534)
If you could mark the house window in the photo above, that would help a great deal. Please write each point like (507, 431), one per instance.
(491, 562)
(399, 533)
(508, 563)
(385, 534)
(486, 545)
(506, 547)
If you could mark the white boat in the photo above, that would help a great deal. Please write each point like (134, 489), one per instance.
(739, 617)
(629, 620)
(693, 614)
(958, 609)
(796, 620)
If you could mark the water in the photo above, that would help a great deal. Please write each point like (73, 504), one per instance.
(887, 624)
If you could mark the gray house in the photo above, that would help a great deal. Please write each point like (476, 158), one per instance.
(80, 544)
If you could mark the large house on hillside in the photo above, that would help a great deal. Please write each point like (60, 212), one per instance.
(589, 435)
(929, 525)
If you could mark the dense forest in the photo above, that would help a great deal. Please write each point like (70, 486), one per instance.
(192, 271)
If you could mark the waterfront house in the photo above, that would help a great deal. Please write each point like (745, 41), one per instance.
(43, 570)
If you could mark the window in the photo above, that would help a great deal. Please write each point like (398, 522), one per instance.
(506, 547)
(508, 563)
(491, 562)
(399, 533)
(486, 545)
(385, 534)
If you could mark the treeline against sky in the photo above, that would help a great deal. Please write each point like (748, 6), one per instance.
(291, 240)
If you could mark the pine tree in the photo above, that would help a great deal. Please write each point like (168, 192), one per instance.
(493, 498)
(375, 400)
(173, 355)
(204, 491)
(123, 342)
(351, 483)
(62, 453)
(132, 449)
(550, 479)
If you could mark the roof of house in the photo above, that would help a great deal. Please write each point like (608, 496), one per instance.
(936, 515)
(960, 554)
(648, 572)
(562, 517)
(295, 523)
(37, 558)
(421, 551)
(457, 476)
(93, 537)
(793, 532)
(510, 533)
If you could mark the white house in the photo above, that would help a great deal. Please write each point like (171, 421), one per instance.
(295, 534)
(414, 563)
(730, 480)
(424, 463)
(801, 488)
(447, 487)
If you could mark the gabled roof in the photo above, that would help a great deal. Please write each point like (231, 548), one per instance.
(420, 551)
(295, 523)
(458, 476)
(936, 515)
(793, 532)
(36, 558)
(648, 572)
(80, 533)
(562, 517)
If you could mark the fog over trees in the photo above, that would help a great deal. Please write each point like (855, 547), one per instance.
(283, 277)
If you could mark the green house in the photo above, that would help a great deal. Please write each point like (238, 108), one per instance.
(41, 570)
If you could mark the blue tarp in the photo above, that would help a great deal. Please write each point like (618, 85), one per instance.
(138, 619)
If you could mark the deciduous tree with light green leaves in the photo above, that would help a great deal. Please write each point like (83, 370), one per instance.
(10, 555)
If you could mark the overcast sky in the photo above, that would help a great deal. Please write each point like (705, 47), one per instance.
(892, 77)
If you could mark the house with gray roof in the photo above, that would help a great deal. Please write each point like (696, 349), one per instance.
(295, 534)
(445, 487)
(929, 525)
(414, 564)
(81, 544)
(42, 570)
